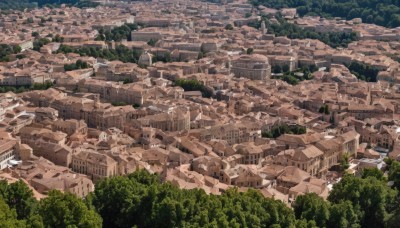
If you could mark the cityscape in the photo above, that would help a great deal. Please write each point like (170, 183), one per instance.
(186, 113)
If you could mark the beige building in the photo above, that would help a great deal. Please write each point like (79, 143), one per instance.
(7, 152)
(254, 67)
(174, 120)
(305, 158)
(93, 164)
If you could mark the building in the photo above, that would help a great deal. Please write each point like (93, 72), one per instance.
(7, 152)
(254, 67)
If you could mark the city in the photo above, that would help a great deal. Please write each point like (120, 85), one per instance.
(207, 96)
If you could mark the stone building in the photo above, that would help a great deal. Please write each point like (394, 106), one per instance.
(254, 67)
(93, 164)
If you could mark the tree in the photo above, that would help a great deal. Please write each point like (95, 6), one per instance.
(344, 161)
(247, 15)
(394, 173)
(321, 109)
(373, 172)
(326, 110)
(35, 34)
(285, 68)
(372, 198)
(312, 207)
(19, 197)
(66, 210)
(229, 27)
(8, 217)
(343, 214)
(152, 42)
(250, 51)
(277, 69)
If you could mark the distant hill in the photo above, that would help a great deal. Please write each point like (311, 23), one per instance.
(381, 12)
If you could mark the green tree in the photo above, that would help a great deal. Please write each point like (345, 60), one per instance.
(67, 210)
(371, 197)
(343, 214)
(229, 27)
(344, 161)
(373, 172)
(18, 196)
(312, 207)
(394, 173)
(152, 42)
(250, 51)
(8, 217)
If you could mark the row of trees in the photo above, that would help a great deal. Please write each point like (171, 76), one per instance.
(293, 31)
(141, 200)
(277, 131)
(121, 53)
(194, 85)
(79, 64)
(21, 89)
(380, 12)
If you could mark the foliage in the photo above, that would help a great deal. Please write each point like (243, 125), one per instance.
(79, 64)
(119, 103)
(166, 58)
(229, 27)
(277, 131)
(194, 85)
(120, 33)
(19, 197)
(363, 71)
(141, 200)
(312, 207)
(394, 174)
(324, 109)
(344, 161)
(7, 50)
(370, 197)
(8, 217)
(343, 214)
(127, 80)
(67, 210)
(37, 44)
(35, 34)
(293, 31)
(249, 51)
(121, 53)
(373, 172)
(152, 42)
(21, 89)
(380, 12)
(294, 77)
